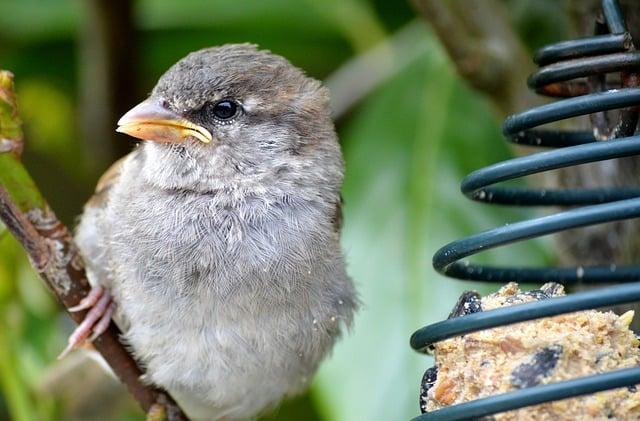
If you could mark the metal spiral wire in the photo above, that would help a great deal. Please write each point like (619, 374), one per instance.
(564, 68)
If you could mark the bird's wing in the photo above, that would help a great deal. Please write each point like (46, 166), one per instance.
(90, 235)
(337, 215)
(107, 180)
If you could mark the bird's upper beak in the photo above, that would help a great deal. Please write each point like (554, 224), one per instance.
(151, 121)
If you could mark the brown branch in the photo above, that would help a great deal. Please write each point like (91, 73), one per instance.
(53, 254)
(484, 48)
(24, 231)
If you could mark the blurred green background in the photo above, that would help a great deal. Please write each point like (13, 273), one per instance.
(410, 130)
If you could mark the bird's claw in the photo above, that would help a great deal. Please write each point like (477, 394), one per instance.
(101, 307)
(89, 301)
(157, 412)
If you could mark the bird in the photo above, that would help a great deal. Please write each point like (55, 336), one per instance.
(215, 244)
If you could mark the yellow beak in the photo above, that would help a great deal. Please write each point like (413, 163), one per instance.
(151, 121)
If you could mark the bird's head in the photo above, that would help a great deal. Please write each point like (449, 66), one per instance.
(234, 114)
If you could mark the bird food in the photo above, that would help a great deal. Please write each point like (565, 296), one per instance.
(548, 350)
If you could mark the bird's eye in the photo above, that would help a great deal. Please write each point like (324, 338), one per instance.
(225, 109)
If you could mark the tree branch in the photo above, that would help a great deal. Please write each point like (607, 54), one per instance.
(484, 48)
(54, 255)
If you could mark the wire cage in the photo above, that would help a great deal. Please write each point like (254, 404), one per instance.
(576, 72)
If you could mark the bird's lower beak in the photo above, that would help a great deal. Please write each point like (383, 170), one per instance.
(151, 121)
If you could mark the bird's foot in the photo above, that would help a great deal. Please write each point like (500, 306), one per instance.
(157, 412)
(101, 307)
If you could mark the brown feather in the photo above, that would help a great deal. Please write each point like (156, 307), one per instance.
(337, 216)
(107, 180)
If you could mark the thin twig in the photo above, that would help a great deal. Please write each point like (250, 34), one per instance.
(52, 252)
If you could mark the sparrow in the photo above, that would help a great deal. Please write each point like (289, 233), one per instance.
(215, 244)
